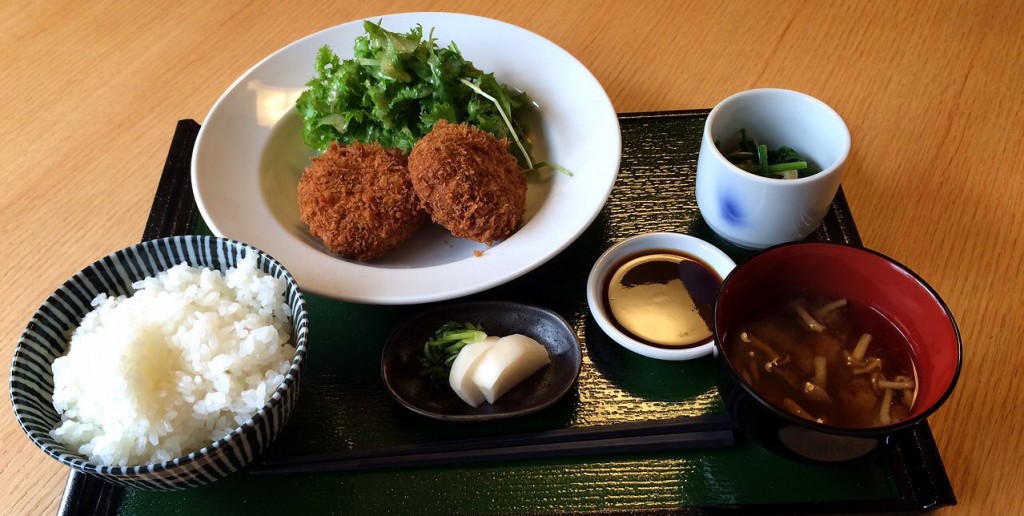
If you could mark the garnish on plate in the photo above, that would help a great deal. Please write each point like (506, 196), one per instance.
(443, 346)
(397, 86)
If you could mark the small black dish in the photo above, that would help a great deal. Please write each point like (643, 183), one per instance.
(400, 362)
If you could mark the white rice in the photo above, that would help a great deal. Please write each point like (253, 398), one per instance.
(188, 357)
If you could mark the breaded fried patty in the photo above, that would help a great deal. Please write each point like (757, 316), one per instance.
(468, 182)
(358, 199)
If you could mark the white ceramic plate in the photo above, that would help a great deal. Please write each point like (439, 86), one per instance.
(249, 157)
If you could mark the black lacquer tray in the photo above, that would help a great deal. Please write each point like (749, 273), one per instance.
(654, 192)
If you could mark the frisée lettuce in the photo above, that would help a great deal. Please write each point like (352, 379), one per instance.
(397, 86)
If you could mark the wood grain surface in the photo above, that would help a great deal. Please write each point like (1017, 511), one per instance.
(931, 90)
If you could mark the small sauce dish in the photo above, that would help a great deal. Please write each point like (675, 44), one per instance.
(654, 294)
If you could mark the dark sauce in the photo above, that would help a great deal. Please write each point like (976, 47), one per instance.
(662, 298)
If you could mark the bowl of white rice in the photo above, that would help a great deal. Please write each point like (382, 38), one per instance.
(165, 365)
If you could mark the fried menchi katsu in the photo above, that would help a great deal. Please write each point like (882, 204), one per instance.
(358, 199)
(468, 182)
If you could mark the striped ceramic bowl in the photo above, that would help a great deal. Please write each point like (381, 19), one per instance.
(46, 338)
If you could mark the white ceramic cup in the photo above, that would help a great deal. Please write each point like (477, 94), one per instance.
(756, 212)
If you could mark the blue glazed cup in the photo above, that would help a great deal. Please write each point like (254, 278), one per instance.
(756, 212)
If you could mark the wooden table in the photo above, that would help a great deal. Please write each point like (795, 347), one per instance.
(931, 91)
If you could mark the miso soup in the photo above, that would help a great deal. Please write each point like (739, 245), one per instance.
(828, 361)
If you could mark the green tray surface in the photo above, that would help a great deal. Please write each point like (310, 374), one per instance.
(344, 405)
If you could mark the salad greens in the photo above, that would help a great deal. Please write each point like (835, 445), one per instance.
(444, 346)
(397, 87)
(782, 163)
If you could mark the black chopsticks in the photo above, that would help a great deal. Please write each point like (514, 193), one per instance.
(687, 433)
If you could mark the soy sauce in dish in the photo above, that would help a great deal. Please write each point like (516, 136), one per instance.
(662, 298)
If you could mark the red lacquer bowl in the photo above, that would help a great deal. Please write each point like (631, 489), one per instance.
(865, 278)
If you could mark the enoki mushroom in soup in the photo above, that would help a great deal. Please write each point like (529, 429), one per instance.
(827, 360)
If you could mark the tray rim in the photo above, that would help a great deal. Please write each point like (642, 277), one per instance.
(918, 470)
